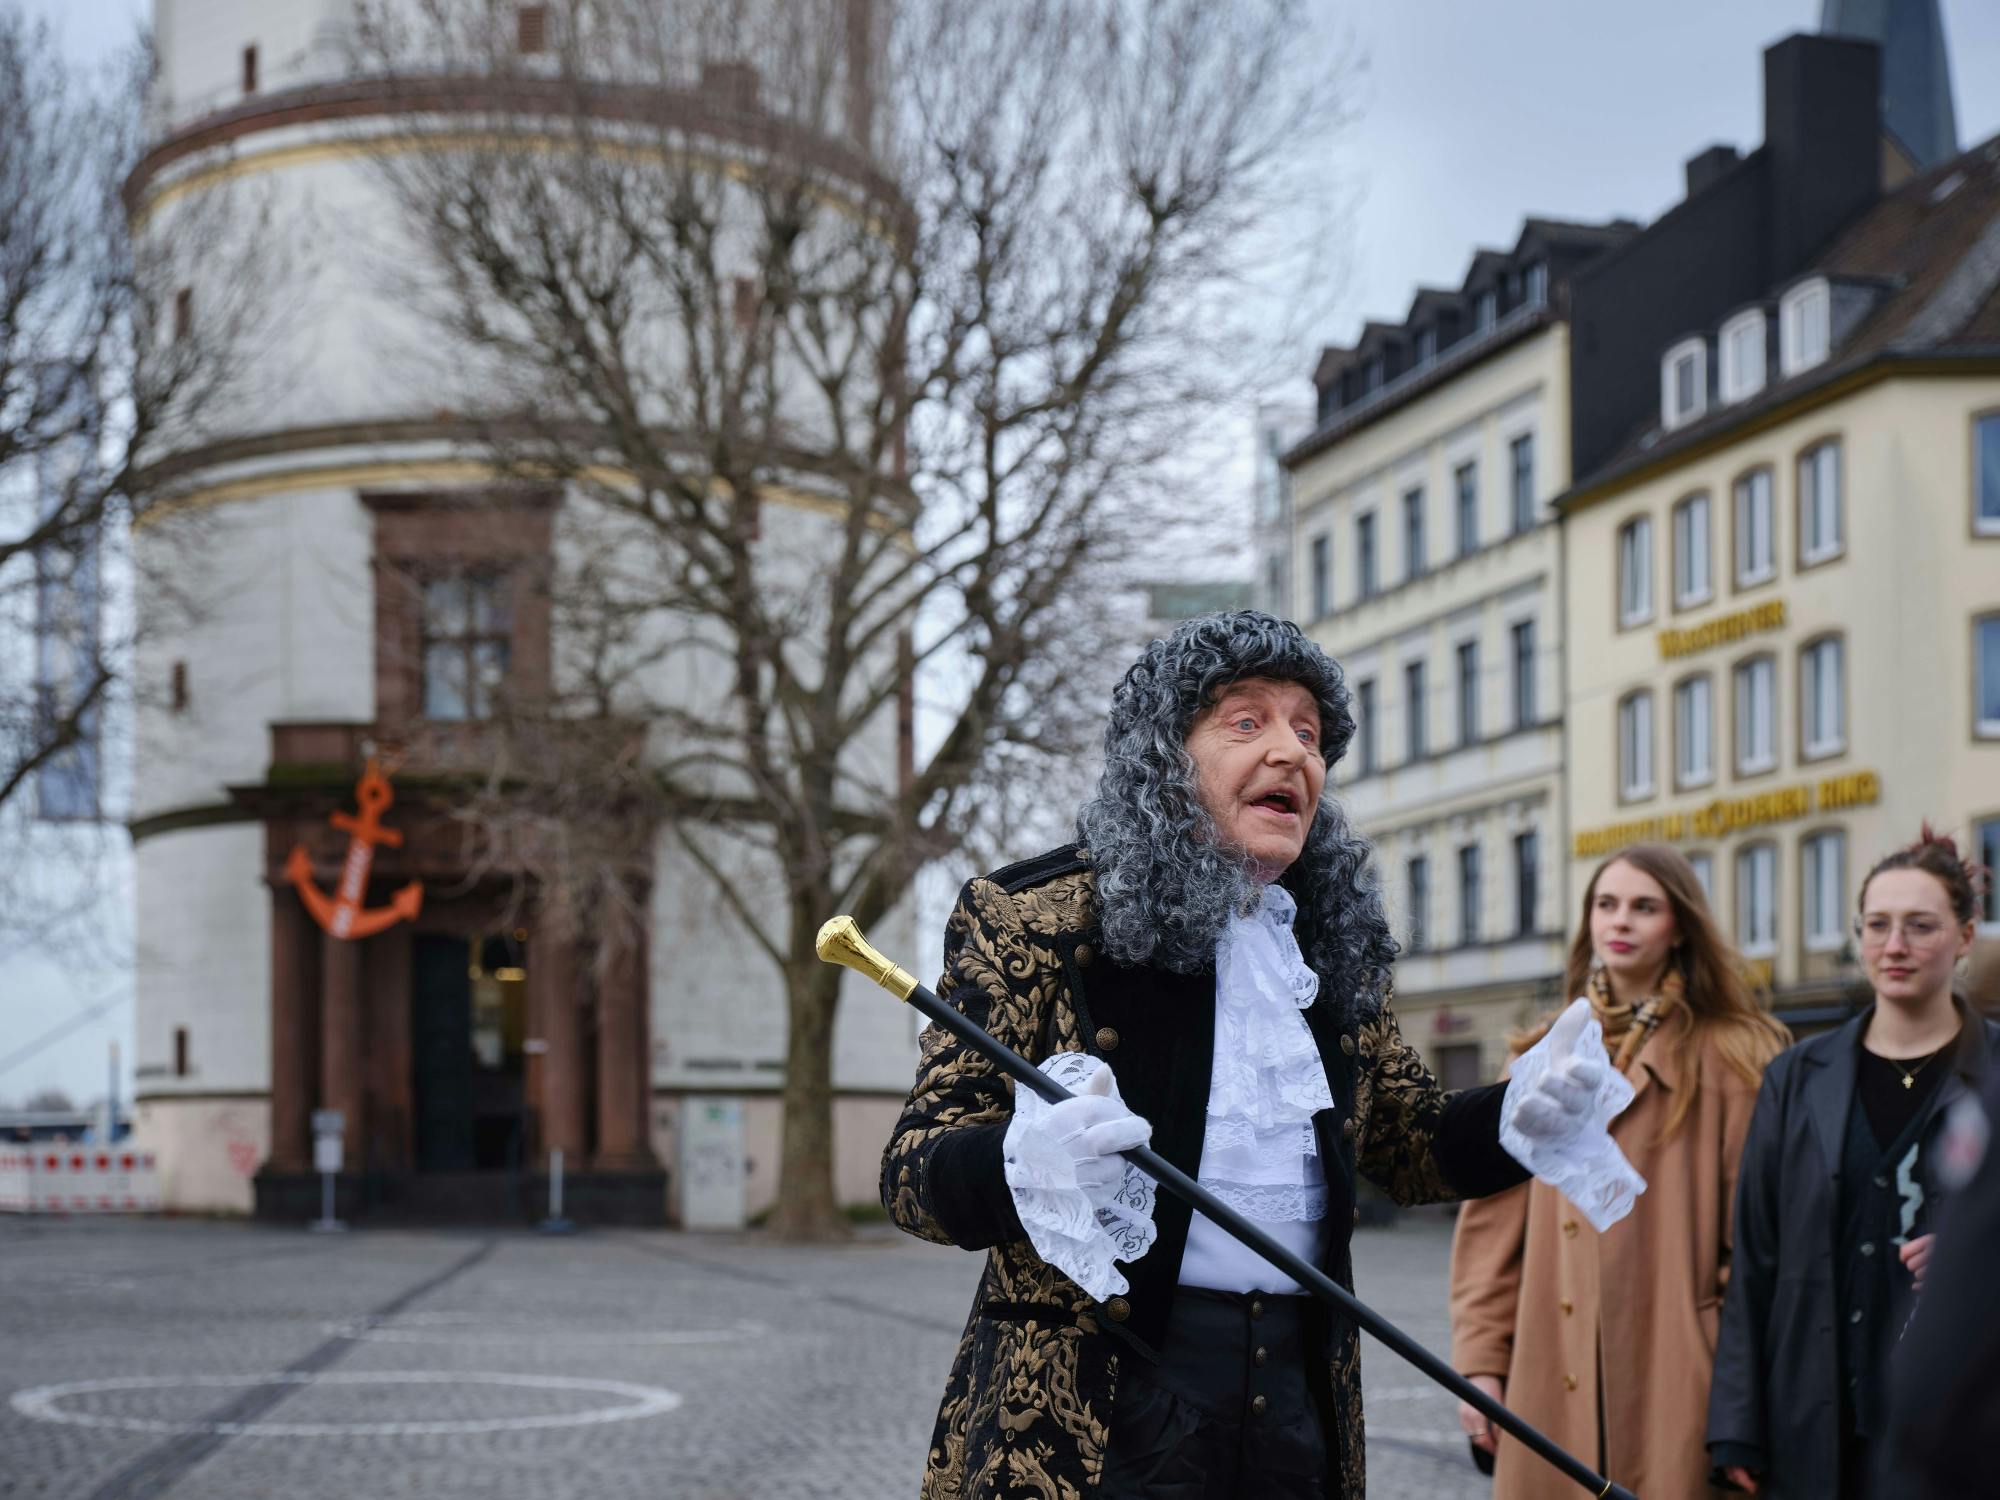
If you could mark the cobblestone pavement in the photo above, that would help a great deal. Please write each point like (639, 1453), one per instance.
(238, 1362)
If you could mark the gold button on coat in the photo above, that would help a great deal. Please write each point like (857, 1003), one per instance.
(1257, 1405)
(1347, 1044)
(1569, 1228)
(1261, 1355)
(1569, 1382)
(1083, 955)
(1117, 1309)
(1256, 1309)
(1567, 1306)
(1106, 1039)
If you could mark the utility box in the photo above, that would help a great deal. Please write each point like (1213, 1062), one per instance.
(712, 1165)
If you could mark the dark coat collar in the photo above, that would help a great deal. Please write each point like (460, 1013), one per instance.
(1834, 1057)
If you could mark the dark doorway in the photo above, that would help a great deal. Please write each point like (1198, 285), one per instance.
(468, 1018)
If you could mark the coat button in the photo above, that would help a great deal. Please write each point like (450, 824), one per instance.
(1256, 1308)
(1569, 1382)
(1347, 1128)
(1867, 1247)
(1117, 1309)
(1567, 1306)
(1347, 1044)
(1107, 1039)
(1257, 1405)
(1569, 1228)
(1083, 955)
(1262, 1355)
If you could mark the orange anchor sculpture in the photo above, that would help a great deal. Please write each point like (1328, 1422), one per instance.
(341, 914)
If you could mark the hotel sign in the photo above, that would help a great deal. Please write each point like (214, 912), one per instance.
(1722, 631)
(1726, 815)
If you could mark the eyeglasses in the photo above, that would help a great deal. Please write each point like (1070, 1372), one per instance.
(1918, 931)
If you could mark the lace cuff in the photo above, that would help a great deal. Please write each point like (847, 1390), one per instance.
(1586, 1165)
(1079, 1232)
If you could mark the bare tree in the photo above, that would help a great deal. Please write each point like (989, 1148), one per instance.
(100, 359)
(861, 348)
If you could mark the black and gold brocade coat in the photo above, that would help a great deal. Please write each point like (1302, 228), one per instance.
(1028, 1406)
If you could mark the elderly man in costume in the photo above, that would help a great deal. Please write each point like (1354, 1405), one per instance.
(1207, 968)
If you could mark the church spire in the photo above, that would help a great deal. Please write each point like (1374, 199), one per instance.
(1918, 119)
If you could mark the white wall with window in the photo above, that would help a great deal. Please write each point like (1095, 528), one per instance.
(1823, 889)
(1683, 383)
(1320, 585)
(1805, 316)
(1367, 730)
(1635, 571)
(1694, 553)
(1756, 534)
(1415, 711)
(1986, 849)
(1742, 345)
(1470, 897)
(1415, 558)
(1986, 474)
(1417, 878)
(1694, 732)
(1756, 715)
(1757, 900)
(1821, 531)
(1822, 697)
(1635, 745)
(1986, 677)
(1466, 658)
(1465, 498)
(1703, 865)
(1527, 881)
(1521, 671)
(1366, 579)
(1521, 481)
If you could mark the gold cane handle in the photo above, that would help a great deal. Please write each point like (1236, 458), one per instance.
(840, 942)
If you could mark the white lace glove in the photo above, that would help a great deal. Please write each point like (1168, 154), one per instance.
(1083, 1205)
(1556, 1116)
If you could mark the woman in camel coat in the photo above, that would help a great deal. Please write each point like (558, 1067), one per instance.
(1606, 1341)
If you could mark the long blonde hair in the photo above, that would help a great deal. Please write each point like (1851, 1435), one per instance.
(1714, 998)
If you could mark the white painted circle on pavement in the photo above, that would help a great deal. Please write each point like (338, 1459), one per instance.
(43, 1403)
(476, 1331)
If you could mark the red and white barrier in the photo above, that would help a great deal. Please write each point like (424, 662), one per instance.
(45, 1179)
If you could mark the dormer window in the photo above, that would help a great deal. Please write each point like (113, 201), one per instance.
(1427, 345)
(1742, 347)
(1371, 376)
(1536, 287)
(1683, 383)
(1803, 326)
(1485, 311)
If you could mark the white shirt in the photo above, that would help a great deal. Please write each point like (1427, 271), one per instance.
(1259, 1155)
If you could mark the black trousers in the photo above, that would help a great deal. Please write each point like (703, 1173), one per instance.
(1227, 1411)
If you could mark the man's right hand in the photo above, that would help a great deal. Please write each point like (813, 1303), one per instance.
(1742, 1478)
(1473, 1422)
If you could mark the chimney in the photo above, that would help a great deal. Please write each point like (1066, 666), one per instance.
(1706, 167)
(1822, 133)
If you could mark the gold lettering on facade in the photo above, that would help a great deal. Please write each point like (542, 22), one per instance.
(1720, 632)
(1726, 815)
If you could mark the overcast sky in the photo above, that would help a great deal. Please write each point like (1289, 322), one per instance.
(1470, 115)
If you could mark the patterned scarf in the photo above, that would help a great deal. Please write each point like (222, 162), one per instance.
(1626, 1027)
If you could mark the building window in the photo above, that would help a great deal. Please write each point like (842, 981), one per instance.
(1986, 839)
(1427, 345)
(1465, 488)
(1986, 658)
(1635, 571)
(1371, 376)
(1756, 715)
(69, 681)
(1757, 900)
(1413, 534)
(1419, 873)
(1321, 564)
(1986, 474)
(1819, 503)
(1521, 455)
(1485, 311)
(1523, 635)
(1367, 751)
(531, 28)
(1274, 586)
(1683, 383)
(1364, 556)
(1694, 580)
(250, 70)
(1804, 316)
(1756, 542)
(1535, 284)
(1703, 866)
(1413, 696)
(467, 640)
(1635, 745)
(1823, 857)
(1468, 894)
(1468, 692)
(1822, 699)
(1527, 893)
(1694, 732)
(1742, 348)
(180, 1052)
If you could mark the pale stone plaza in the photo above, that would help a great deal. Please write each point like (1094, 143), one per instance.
(228, 1361)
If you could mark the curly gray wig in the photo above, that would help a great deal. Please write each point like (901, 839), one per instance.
(1167, 884)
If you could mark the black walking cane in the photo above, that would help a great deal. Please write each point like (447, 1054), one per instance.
(840, 942)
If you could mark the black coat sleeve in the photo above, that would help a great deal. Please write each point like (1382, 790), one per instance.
(1738, 1425)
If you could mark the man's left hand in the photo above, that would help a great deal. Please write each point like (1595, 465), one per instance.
(1916, 1255)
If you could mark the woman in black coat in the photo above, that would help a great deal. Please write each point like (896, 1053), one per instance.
(1833, 1203)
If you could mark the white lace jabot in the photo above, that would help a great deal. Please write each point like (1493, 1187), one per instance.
(1258, 1153)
